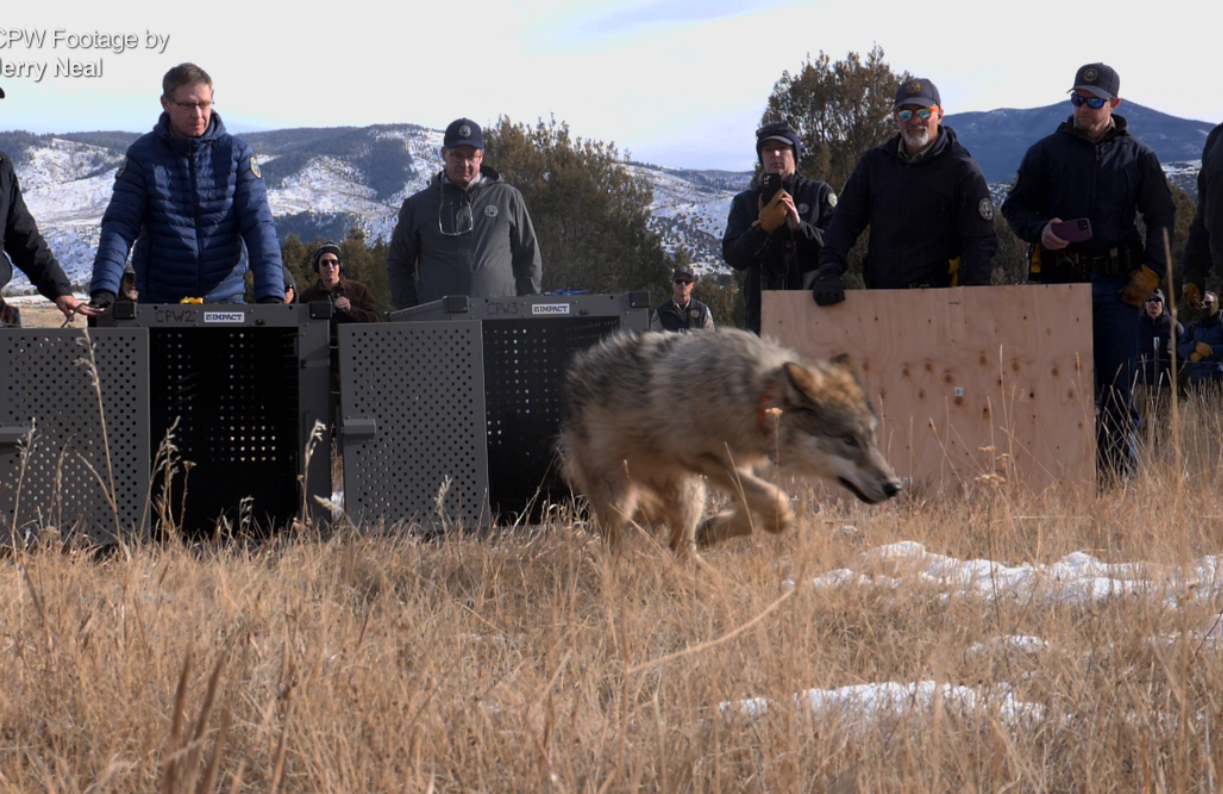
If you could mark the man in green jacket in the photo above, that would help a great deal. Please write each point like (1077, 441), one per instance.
(468, 233)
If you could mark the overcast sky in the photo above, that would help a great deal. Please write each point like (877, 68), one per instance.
(676, 82)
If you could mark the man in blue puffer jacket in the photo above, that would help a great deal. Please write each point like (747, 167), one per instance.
(188, 196)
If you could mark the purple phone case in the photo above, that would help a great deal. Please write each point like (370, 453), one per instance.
(1075, 231)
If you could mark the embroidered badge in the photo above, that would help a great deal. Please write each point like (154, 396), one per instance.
(1091, 75)
(122, 169)
(254, 166)
(802, 209)
(913, 87)
(832, 199)
(694, 314)
(490, 211)
(986, 207)
(465, 131)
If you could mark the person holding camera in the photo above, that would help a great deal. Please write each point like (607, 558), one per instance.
(352, 300)
(925, 200)
(1074, 201)
(776, 230)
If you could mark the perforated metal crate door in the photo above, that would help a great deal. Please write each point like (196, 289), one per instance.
(524, 362)
(62, 479)
(419, 388)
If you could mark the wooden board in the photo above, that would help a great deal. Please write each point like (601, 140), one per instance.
(967, 381)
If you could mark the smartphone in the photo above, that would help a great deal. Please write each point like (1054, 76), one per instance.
(769, 185)
(1075, 231)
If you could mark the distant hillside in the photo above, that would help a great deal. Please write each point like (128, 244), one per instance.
(323, 181)
(999, 138)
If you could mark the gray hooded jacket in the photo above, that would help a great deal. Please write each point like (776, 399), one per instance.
(489, 250)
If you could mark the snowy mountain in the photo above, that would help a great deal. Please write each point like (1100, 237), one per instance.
(999, 138)
(321, 182)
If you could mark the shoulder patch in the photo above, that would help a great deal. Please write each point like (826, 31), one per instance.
(986, 208)
(253, 164)
(122, 169)
(832, 199)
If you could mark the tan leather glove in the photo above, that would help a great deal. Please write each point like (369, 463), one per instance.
(1193, 294)
(1201, 351)
(1143, 282)
(773, 215)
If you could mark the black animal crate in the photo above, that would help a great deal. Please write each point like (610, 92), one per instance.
(237, 389)
(450, 412)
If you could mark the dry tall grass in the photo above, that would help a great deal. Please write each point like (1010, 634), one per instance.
(540, 661)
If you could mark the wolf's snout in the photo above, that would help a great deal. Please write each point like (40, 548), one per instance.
(891, 489)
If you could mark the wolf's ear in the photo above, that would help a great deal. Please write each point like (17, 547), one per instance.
(804, 380)
(843, 361)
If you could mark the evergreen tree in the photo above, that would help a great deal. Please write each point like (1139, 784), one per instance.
(840, 109)
(589, 210)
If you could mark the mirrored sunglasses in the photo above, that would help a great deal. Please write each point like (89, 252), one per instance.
(1093, 102)
(905, 116)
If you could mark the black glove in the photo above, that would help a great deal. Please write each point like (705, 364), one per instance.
(270, 299)
(102, 299)
(828, 287)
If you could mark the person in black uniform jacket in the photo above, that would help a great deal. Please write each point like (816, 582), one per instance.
(1093, 169)
(682, 312)
(1204, 248)
(28, 250)
(926, 201)
(778, 244)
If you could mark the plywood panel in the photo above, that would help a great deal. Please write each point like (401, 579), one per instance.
(963, 376)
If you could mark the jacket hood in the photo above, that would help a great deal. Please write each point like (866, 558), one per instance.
(1120, 128)
(490, 174)
(216, 129)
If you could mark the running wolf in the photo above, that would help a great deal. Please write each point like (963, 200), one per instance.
(645, 414)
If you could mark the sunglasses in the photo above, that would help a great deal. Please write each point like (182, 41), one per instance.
(905, 116)
(1093, 102)
(1154, 300)
(681, 281)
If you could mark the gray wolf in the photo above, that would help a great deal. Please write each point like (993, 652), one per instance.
(646, 416)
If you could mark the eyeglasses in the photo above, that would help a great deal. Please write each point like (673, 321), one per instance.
(681, 281)
(905, 116)
(204, 106)
(1093, 102)
(328, 263)
(459, 227)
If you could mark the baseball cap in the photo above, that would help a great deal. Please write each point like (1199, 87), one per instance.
(463, 132)
(683, 271)
(917, 91)
(1098, 80)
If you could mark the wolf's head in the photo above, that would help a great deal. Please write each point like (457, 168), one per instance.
(827, 429)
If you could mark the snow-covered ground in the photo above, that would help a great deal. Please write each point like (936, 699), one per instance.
(1077, 580)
